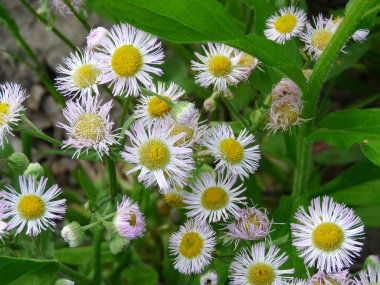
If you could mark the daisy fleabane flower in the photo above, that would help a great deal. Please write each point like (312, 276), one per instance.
(333, 278)
(154, 152)
(256, 266)
(129, 221)
(219, 67)
(317, 38)
(94, 37)
(127, 57)
(369, 277)
(192, 246)
(61, 7)
(286, 24)
(3, 224)
(235, 155)
(89, 125)
(80, 74)
(213, 199)
(11, 97)
(34, 206)
(249, 224)
(209, 278)
(326, 236)
(152, 108)
(359, 36)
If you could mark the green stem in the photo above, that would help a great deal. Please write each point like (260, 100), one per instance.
(147, 92)
(37, 132)
(123, 135)
(124, 112)
(80, 19)
(313, 89)
(235, 112)
(98, 222)
(72, 273)
(46, 23)
(98, 234)
(37, 247)
(112, 176)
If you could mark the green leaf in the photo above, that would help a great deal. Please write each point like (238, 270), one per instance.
(370, 215)
(363, 177)
(345, 128)
(139, 272)
(184, 21)
(76, 256)
(86, 184)
(270, 54)
(263, 10)
(27, 271)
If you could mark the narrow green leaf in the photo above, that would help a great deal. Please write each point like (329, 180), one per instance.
(86, 184)
(27, 271)
(263, 10)
(345, 128)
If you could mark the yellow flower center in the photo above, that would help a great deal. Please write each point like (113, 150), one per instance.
(328, 237)
(90, 126)
(321, 38)
(285, 24)
(191, 245)
(132, 221)
(31, 207)
(219, 65)
(174, 200)
(126, 61)
(261, 274)
(85, 76)
(183, 129)
(287, 113)
(253, 219)
(157, 107)
(232, 151)
(4, 111)
(154, 154)
(214, 198)
(247, 60)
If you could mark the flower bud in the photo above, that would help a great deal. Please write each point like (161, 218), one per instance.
(117, 244)
(286, 87)
(95, 36)
(18, 163)
(360, 35)
(183, 112)
(64, 281)
(228, 94)
(209, 104)
(249, 62)
(307, 73)
(73, 234)
(34, 169)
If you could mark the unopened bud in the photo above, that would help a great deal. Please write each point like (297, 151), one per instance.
(18, 163)
(73, 234)
(228, 94)
(93, 39)
(183, 112)
(118, 244)
(64, 281)
(307, 73)
(34, 169)
(209, 104)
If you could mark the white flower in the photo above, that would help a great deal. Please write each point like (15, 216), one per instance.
(360, 35)
(213, 199)
(151, 108)
(89, 125)
(255, 266)
(284, 113)
(34, 207)
(249, 224)
(333, 278)
(128, 56)
(219, 67)
(369, 277)
(154, 152)
(192, 246)
(235, 155)
(317, 38)
(3, 224)
(61, 7)
(129, 221)
(326, 237)
(95, 36)
(286, 24)
(194, 130)
(209, 278)
(247, 61)
(11, 97)
(80, 74)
